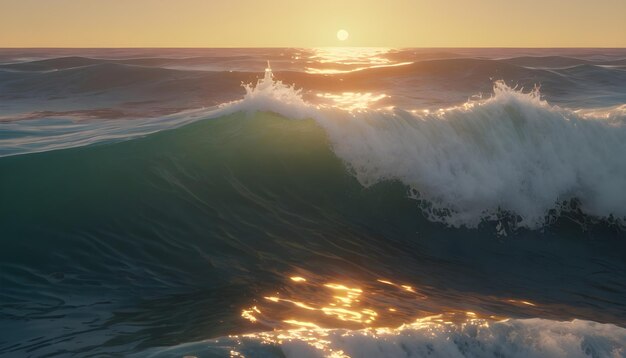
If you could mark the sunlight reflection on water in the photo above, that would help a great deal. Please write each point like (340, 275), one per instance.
(335, 60)
(311, 302)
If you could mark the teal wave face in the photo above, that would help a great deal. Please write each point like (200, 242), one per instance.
(198, 215)
(123, 246)
(182, 187)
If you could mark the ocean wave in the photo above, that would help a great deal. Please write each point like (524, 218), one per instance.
(511, 157)
(427, 337)
(511, 154)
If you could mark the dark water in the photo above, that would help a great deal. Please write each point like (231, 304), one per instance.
(135, 216)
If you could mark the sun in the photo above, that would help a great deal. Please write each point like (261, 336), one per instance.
(342, 35)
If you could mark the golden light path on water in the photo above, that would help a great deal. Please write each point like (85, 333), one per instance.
(342, 60)
(310, 309)
(352, 101)
(337, 60)
(320, 338)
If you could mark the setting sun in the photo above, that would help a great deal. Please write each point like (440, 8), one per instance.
(342, 35)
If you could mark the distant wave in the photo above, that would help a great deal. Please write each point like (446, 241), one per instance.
(187, 83)
(78, 61)
(101, 76)
(559, 61)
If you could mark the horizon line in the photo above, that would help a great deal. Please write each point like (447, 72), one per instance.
(283, 47)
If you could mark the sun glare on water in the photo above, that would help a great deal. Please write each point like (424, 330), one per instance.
(342, 35)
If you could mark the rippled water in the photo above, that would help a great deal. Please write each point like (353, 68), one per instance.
(344, 202)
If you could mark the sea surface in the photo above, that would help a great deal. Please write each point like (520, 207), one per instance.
(333, 202)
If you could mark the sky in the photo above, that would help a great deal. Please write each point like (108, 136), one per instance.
(312, 23)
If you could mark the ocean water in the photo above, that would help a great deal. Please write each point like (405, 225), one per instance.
(313, 202)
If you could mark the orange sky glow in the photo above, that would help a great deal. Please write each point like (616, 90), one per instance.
(291, 23)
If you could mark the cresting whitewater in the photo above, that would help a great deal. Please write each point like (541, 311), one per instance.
(369, 210)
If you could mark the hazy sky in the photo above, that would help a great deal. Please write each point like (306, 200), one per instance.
(293, 23)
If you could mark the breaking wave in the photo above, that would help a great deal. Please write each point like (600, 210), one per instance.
(511, 155)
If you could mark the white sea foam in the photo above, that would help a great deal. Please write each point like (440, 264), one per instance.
(430, 337)
(512, 153)
(271, 95)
